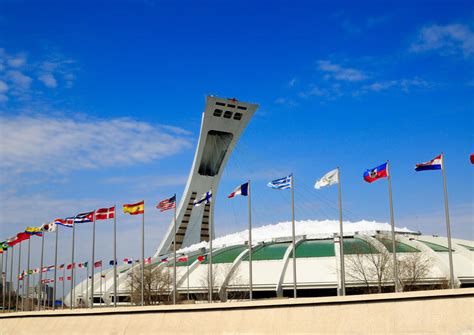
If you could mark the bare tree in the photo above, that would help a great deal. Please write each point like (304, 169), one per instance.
(412, 268)
(157, 286)
(369, 266)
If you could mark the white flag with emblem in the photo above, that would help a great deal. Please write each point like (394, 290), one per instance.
(330, 178)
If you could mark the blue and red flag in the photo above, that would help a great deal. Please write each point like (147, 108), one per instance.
(434, 164)
(374, 174)
(241, 190)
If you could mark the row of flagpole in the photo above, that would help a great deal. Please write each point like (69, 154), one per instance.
(333, 177)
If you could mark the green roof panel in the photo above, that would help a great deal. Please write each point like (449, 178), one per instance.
(269, 252)
(358, 246)
(399, 246)
(315, 248)
(434, 246)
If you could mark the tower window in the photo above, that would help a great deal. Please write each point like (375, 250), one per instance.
(227, 114)
(231, 106)
(237, 116)
(220, 103)
(217, 112)
(242, 108)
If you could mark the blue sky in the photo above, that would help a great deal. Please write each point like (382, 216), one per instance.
(100, 104)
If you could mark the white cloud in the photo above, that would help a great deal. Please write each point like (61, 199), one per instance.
(403, 84)
(292, 82)
(19, 80)
(339, 72)
(447, 39)
(3, 86)
(46, 144)
(17, 61)
(48, 80)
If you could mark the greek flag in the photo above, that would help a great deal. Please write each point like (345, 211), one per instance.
(206, 199)
(282, 183)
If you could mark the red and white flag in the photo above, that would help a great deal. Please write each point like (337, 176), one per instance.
(148, 260)
(69, 277)
(98, 264)
(182, 259)
(70, 266)
(61, 278)
(167, 204)
(105, 213)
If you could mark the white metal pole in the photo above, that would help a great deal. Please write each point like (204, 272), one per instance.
(187, 276)
(93, 262)
(28, 277)
(40, 281)
(250, 241)
(4, 279)
(11, 279)
(293, 233)
(341, 235)
(115, 257)
(55, 267)
(71, 293)
(211, 228)
(392, 225)
(174, 255)
(143, 255)
(87, 287)
(100, 282)
(18, 278)
(448, 225)
(64, 279)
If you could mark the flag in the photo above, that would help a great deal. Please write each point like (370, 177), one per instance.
(330, 178)
(105, 213)
(148, 260)
(34, 231)
(60, 267)
(164, 260)
(67, 222)
(44, 269)
(50, 268)
(205, 198)
(111, 262)
(70, 266)
(282, 183)
(98, 264)
(376, 173)
(472, 158)
(134, 209)
(82, 265)
(69, 277)
(102, 276)
(167, 204)
(127, 261)
(202, 258)
(84, 217)
(61, 278)
(20, 237)
(434, 164)
(37, 270)
(241, 190)
(51, 226)
(182, 259)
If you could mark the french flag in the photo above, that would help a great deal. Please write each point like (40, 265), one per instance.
(241, 190)
(434, 164)
(376, 173)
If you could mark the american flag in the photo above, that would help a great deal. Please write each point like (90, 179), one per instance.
(167, 204)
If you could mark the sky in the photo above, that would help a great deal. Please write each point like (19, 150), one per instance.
(101, 102)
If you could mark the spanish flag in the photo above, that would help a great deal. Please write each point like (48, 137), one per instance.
(134, 209)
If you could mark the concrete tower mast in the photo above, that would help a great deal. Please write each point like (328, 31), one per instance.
(223, 121)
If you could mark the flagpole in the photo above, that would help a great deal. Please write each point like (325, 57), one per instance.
(174, 253)
(448, 225)
(293, 233)
(41, 269)
(55, 267)
(28, 277)
(341, 235)
(93, 262)
(64, 279)
(11, 279)
(3, 278)
(100, 282)
(115, 258)
(211, 229)
(143, 252)
(18, 278)
(250, 242)
(23, 293)
(392, 225)
(72, 262)
(187, 275)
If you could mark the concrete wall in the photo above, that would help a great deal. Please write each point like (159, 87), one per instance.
(429, 312)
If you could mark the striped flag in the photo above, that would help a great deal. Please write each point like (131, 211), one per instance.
(282, 183)
(434, 164)
(67, 222)
(105, 213)
(84, 217)
(134, 209)
(82, 265)
(182, 259)
(241, 190)
(148, 260)
(167, 204)
(98, 264)
(127, 261)
(70, 266)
